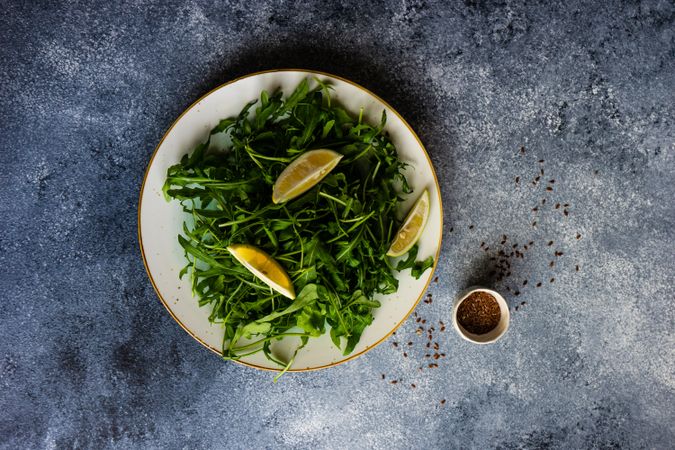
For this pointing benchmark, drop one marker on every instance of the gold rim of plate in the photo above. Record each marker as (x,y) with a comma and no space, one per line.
(312,72)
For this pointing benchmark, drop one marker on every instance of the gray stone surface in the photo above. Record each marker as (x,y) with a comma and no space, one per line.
(90,358)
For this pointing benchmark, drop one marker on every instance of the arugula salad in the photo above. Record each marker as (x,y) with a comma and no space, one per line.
(328,241)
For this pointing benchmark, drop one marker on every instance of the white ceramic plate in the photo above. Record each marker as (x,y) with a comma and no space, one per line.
(159,221)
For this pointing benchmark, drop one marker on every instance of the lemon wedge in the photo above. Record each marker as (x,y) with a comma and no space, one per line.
(303,173)
(264,267)
(412,227)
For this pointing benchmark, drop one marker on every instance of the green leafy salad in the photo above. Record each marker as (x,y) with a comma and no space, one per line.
(332,240)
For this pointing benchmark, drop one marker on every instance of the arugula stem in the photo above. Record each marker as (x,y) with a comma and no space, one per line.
(328,196)
(267,158)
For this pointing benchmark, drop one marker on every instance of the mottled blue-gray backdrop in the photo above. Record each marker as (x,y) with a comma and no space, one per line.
(90,358)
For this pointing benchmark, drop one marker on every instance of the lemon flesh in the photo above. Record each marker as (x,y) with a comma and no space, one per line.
(263,266)
(304,173)
(412,227)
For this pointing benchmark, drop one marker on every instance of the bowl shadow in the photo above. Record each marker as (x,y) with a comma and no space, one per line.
(406,96)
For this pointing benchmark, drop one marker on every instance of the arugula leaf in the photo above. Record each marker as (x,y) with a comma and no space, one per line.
(417,267)
(312,319)
(409,262)
(306,297)
(421,266)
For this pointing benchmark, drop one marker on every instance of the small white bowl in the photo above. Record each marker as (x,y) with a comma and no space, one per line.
(492,335)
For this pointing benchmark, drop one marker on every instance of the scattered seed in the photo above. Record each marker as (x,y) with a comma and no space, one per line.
(517,180)
(551,264)
(578,236)
(541,171)
(395,344)
(517,293)
(577,268)
(541,160)
(534,224)
(522,150)
(549,188)
(551,181)
(470,227)
(383,376)
(405,355)
(537,178)
(566,213)
(552,280)
(394,381)
(482,244)
(557,205)
(536,208)
(443,402)
(451,229)
(436,280)
(436,356)
(413,384)
(566,205)
(531,243)
(525,283)
(539,284)
(543,201)
(596,172)
(410,343)
(550,243)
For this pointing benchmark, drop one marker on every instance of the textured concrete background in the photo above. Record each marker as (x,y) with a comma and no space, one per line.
(90,358)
